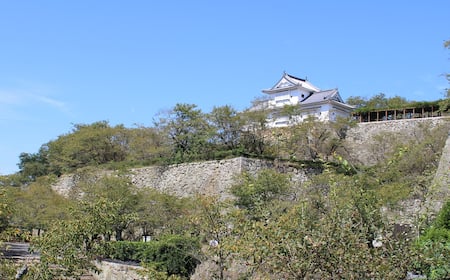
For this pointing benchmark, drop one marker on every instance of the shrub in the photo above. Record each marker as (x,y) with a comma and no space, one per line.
(172,254)
(434,247)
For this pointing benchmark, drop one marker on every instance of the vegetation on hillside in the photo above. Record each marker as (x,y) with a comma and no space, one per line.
(330,227)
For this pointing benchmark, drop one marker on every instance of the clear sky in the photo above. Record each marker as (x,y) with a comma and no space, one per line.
(80,61)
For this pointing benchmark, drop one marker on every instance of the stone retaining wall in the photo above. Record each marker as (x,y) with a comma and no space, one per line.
(187,179)
(367,141)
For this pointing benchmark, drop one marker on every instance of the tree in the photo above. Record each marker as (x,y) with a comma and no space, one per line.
(160,213)
(255,132)
(444,105)
(357,101)
(187,130)
(146,144)
(327,236)
(69,247)
(4,211)
(37,206)
(227,124)
(117,191)
(315,140)
(255,193)
(94,144)
(215,224)
(34,165)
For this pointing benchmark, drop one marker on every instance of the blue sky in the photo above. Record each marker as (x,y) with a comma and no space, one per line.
(71,62)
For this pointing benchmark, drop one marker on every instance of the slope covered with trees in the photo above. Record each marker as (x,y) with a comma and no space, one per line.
(330,227)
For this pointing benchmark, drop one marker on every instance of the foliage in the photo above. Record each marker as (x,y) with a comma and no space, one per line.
(8,268)
(5,210)
(93,144)
(227,123)
(146,145)
(313,139)
(116,190)
(444,104)
(406,166)
(37,206)
(215,225)
(254,193)
(326,237)
(160,213)
(187,131)
(172,254)
(35,165)
(434,247)
(255,133)
(69,247)
(381,102)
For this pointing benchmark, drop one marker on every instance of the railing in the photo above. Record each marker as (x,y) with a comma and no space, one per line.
(396,114)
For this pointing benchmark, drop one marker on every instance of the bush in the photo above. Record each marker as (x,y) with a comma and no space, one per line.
(172,254)
(434,247)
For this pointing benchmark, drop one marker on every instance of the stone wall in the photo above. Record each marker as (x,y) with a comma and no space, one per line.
(187,179)
(117,271)
(367,141)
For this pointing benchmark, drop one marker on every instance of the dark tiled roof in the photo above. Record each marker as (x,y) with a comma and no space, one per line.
(320,96)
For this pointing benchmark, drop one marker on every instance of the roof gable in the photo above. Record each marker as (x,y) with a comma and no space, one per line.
(288,81)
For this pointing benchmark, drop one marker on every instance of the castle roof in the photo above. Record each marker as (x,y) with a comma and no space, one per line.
(288,82)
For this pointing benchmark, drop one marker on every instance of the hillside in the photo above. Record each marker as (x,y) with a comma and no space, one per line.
(382,181)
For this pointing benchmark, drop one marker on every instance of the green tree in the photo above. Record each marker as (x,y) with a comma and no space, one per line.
(146,144)
(444,104)
(215,224)
(187,130)
(4,211)
(255,136)
(35,165)
(93,144)
(357,101)
(117,191)
(324,236)
(227,123)
(37,205)
(159,213)
(256,192)
(69,247)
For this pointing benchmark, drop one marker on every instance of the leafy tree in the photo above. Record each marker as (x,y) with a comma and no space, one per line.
(255,133)
(188,131)
(4,210)
(325,237)
(357,101)
(93,144)
(37,206)
(255,193)
(444,105)
(146,144)
(314,140)
(227,123)
(69,247)
(215,224)
(34,165)
(160,213)
(117,191)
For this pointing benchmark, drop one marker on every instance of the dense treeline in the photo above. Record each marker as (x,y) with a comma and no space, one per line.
(382,102)
(183,134)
